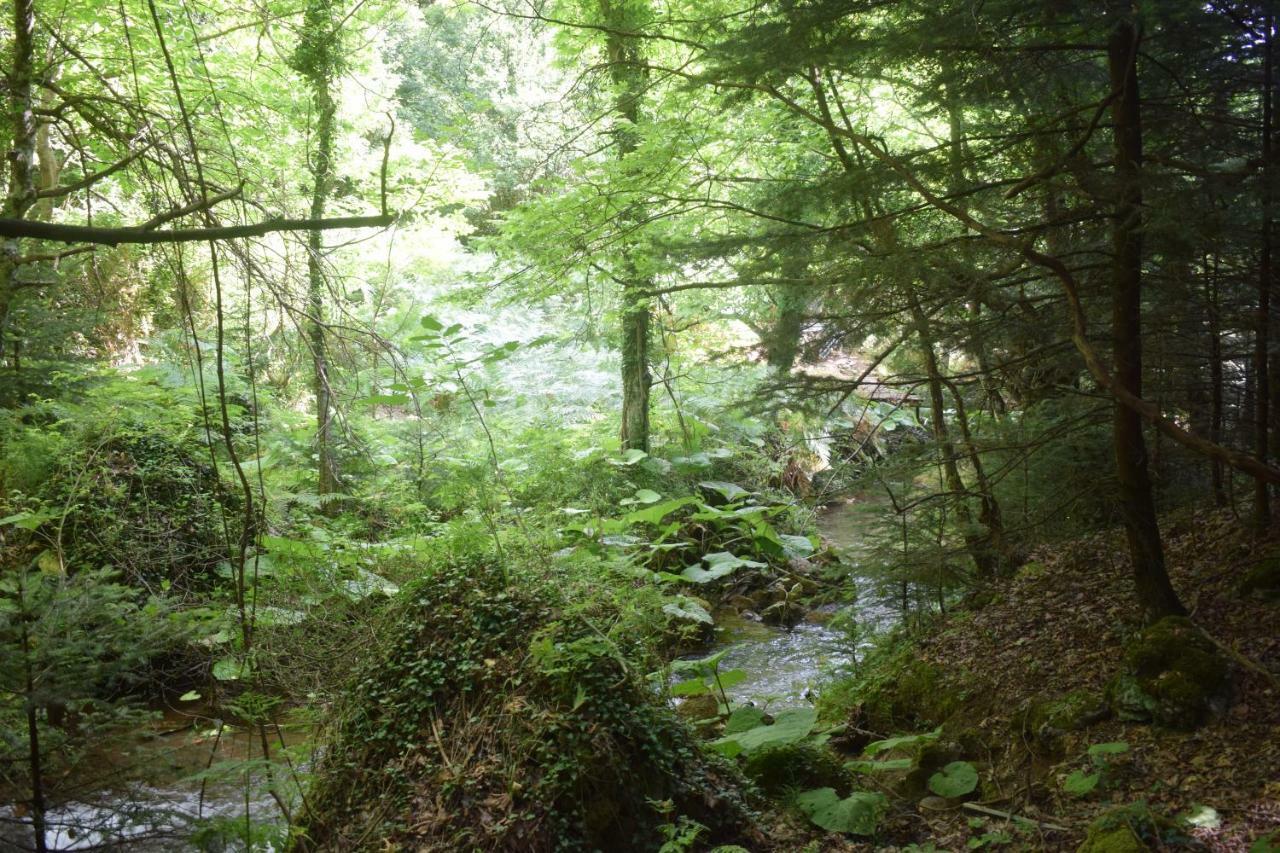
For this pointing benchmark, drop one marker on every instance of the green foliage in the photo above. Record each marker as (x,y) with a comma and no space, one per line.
(954,780)
(857,814)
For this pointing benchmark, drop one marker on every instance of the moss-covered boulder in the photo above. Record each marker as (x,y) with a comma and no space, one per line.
(498,719)
(1132,828)
(1263,579)
(1173,676)
(1045,719)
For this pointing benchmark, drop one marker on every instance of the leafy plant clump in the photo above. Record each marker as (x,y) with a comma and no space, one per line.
(501,720)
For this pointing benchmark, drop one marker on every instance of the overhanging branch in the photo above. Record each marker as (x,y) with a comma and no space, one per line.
(19,228)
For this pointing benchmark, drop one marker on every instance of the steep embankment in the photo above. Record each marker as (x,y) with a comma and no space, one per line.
(1025,682)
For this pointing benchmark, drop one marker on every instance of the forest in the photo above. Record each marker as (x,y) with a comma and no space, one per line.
(639,425)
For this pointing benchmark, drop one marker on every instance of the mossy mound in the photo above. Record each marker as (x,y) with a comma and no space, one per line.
(796,766)
(1046,719)
(1173,676)
(1263,579)
(499,720)
(909,695)
(1132,828)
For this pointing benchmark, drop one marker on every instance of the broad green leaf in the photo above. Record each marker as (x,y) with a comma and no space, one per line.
(189,696)
(744,719)
(857,814)
(230,669)
(879,746)
(655,513)
(730,491)
(1080,783)
(789,726)
(883,766)
(687,609)
(955,780)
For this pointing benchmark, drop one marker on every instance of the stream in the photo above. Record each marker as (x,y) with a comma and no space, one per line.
(784,667)
(163,812)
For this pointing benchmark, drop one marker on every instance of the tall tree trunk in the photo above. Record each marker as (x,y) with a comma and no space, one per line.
(628,79)
(1155,593)
(1215,383)
(316,60)
(21,191)
(1262,319)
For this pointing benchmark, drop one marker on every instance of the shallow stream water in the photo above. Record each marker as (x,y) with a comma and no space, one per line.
(784,667)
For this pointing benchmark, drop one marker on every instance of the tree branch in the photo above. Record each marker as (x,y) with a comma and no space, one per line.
(18,229)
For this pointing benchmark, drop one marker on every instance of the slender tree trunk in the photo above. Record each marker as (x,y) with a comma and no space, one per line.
(21,191)
(628,79)
(1155,593)
(1262,319)
(1215,384)
(317,64)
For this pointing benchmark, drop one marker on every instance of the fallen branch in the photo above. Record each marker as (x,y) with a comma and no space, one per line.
(989,812)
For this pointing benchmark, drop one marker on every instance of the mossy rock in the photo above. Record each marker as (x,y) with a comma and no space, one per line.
(1045,720)
(498,720)
(1132,828)
(1115,839)
(1173,676)
(1263,580)
(796,766)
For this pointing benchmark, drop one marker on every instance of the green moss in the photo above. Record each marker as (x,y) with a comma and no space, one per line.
(1132,828)
(1116,839)
(1263,579)
(1173,676)
(796,766)
(1045,719)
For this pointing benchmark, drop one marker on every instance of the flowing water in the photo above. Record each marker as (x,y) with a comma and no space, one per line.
(179,775)
(783,667)
(180,794)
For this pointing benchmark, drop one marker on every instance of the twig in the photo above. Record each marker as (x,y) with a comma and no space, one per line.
(974,807)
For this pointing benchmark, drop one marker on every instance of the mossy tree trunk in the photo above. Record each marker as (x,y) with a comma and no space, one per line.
(317,60)
(20,195)
(627,74)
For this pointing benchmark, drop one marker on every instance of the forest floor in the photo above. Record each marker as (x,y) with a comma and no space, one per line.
(1060,628)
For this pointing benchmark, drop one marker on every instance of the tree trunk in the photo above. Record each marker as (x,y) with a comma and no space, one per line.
(628,80)
(792,298)
(1262,319)
(21,192)
(1215,384)
(1155,593)
(317,64)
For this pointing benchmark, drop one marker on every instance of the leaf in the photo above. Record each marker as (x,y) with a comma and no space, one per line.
(730,491)
(48,563)
(630,457)
(655,513)
(1099,751)
(797,546)
(721,563)
(431,323)
(955,780)
(189,696)
(883,766)
(744,719)
(879,746)
(790,726)
(644,496)
(857,814)
(1079,783)
(230,669)
(688,609)
(691,687)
